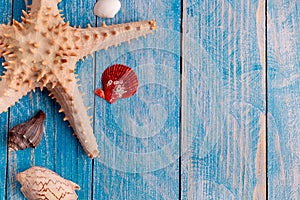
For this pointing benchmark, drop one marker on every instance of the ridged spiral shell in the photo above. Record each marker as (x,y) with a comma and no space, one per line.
(28,134)
(42,183)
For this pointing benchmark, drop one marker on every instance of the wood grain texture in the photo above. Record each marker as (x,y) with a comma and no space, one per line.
(71,160)
(22,111)
(5,9)
(212,77)
(224,125)
(139,137)
(283,84)
(59,149)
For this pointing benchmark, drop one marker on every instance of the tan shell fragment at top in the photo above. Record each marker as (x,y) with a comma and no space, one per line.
(42,51)
(42,183)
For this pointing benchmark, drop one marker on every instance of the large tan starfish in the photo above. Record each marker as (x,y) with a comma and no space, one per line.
(42,51)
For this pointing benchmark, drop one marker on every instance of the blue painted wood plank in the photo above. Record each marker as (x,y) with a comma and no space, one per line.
(223,106)
(71,161)
(59,150)
(21,112)
(223,109)
(3,151)
(283,86)
(6,10)
(139,137)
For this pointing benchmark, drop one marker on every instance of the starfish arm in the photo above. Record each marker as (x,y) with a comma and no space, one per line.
(44,5)
(90,39)
(43,12)
(70,100)
(10,95)
(5,32)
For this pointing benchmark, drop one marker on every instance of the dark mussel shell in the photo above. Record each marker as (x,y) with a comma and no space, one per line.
(119,81)
(28,134)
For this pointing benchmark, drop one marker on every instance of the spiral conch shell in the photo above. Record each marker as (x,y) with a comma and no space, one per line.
(28,134)
(42,183)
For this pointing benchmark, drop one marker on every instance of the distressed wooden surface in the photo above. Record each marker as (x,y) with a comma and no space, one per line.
(133,134)
(283,83)
(197,127)
(224,100)
(59,149)
(6,8)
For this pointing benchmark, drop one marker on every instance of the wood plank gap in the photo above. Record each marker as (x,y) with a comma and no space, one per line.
(8,125)
(54,138)
(266,96)
(182,28)
(94,113)
(7,154)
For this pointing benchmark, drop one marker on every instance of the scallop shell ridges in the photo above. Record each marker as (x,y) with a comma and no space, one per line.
(119,81)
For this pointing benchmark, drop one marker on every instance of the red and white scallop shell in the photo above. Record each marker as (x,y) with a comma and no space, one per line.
(119,81)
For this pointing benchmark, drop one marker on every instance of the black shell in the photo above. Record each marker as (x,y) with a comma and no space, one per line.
(28,134)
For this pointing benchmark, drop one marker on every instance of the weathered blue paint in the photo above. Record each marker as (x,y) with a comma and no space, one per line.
(139,137)
(5,9)
(221,100)
(59,149)
(283,84)
(19,113)
(72,161)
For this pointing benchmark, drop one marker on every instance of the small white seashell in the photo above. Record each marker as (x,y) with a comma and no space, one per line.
(107,8)
(42,183)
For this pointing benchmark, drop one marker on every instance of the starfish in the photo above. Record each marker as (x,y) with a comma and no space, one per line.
(42,51)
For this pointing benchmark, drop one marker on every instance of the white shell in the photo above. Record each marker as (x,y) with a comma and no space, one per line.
(107,8)
(42,183)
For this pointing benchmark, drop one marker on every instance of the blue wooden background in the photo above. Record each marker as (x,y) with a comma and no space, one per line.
(215,117)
